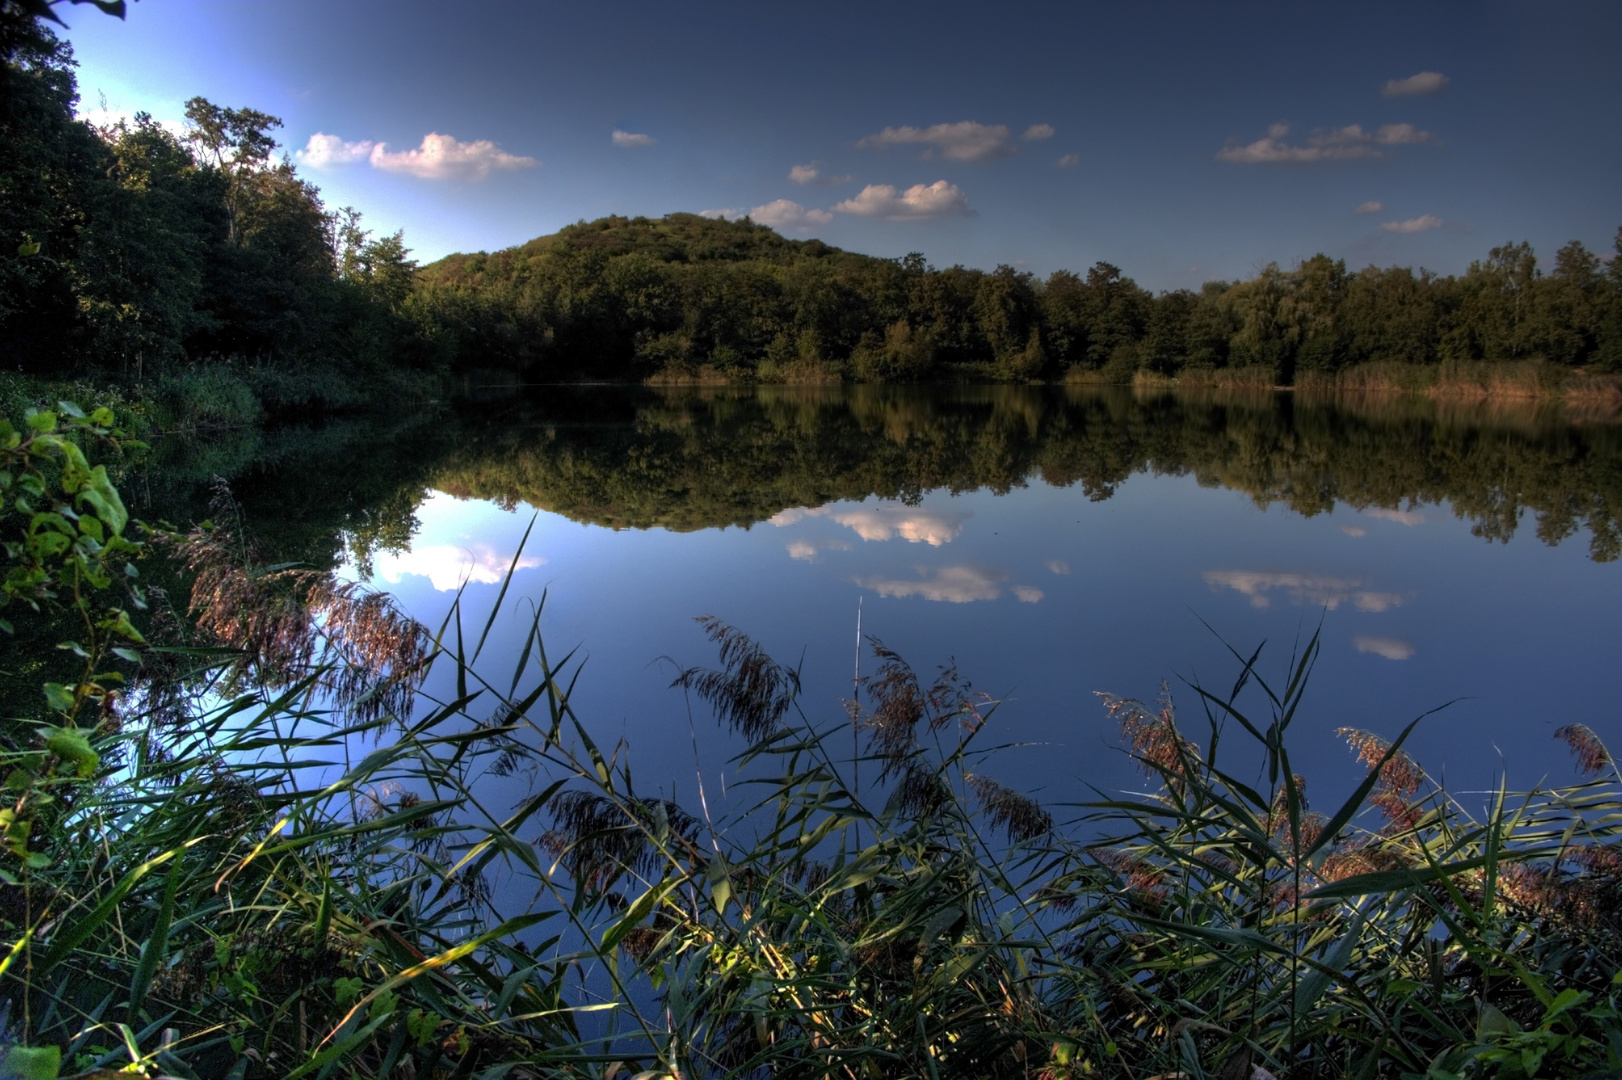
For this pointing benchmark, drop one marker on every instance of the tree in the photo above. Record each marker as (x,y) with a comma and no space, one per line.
(237,142)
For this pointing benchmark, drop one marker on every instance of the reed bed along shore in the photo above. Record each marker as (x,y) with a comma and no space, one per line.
(274,828)
(1593,396)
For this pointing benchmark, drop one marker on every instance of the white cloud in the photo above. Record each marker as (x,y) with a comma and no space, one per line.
(1426,82)
(632,138)
(1027,594)
(1069,161)
(441,157)
(1332,144)
(1038,131)
(813,174)
(964,141)
(1401,517)
(1058,566)
(885,522)
(811,550)
(788,214)
(1354,530)
(1370,207)
(1317,590)
(325,151)
(909,523)
(951,584)
(1413,225)
(918,202)
(725,213)
(447,566)
(1390,648)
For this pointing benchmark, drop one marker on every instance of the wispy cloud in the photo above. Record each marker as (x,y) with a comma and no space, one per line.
(1069,161)
(917,203)
(1423,223)
(1370,207)
(448,566)
(951,584)
(724,213)
(442,157)
(630,139)
(1426,82)
(1315,589)
(1058,566)
(788,214)
(812,174)
(1347,143)
(964,141)
(1354,530)
(1038,131)
(1028,595)
(1390,648)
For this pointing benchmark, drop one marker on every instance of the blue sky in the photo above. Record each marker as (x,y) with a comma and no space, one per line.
(1182,142)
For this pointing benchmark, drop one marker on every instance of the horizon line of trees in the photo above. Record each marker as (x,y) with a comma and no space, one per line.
(634,297)
(141,251)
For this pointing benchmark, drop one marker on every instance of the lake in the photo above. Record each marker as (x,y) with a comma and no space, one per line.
(1051,541)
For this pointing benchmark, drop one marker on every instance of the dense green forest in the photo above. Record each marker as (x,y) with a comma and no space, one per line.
(685,295)
(203,269)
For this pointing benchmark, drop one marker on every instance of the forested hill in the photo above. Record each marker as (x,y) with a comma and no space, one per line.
(687,296)
(202,270)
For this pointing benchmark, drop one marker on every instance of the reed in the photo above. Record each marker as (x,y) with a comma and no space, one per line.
(269,849)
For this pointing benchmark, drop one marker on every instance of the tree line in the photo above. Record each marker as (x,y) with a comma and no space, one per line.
(634,297)
(142,251)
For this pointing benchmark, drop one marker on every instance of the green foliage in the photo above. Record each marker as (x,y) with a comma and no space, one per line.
(272,855)
(144,256)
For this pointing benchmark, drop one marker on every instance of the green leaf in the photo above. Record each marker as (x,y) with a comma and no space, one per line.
(1316,981)
(157,944)
(33,1062)
(720,883)
(71,745)
(103,497)
(347,991)
(68,408)
(59,696)
(1494,1022)
(1385,881)
(42,421)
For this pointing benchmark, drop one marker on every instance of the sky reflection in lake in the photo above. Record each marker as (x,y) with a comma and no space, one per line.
(1043,595)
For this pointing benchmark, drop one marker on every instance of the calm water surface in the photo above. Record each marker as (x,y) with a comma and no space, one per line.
(1054,543)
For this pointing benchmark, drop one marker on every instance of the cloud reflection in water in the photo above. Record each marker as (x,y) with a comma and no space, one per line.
(1390,648)
(447,566)
(1316,589)
(886,521)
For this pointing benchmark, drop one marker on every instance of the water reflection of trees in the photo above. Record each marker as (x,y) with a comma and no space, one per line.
(691,458)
